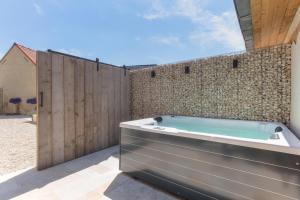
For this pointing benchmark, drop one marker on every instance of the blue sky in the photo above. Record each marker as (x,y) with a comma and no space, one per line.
(123,31)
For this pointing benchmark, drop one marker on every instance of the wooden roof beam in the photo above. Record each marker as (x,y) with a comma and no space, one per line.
(294,28)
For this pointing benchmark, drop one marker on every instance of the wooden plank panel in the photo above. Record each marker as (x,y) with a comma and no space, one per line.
(111,109)
(278,12)
(88,119)
(117,104)
(79,107)
(87,107)
(69,108)
(1,100)
(97,109)
(44,123)
(122,96)
(291,8)
(104,105)
(266,18)
(294,28)
(99,122)
(271,20)
(57,109)
(125,96)
(256,22)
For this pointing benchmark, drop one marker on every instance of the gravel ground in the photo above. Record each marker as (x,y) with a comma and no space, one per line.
(17,143)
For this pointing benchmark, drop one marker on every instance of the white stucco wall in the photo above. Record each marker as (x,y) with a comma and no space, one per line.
(18,79)
(295,93)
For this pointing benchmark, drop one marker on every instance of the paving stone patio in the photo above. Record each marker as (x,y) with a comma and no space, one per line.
(95,176)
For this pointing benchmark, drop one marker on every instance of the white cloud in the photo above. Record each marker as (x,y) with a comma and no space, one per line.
(223,29)
(210,28)
(157,11)
(182,8)
(38,9)
(167,40)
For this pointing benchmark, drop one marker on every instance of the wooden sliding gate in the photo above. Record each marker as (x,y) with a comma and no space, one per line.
(1,101)
(80,105)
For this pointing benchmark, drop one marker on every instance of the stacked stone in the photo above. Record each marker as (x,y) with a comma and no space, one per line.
(258,89)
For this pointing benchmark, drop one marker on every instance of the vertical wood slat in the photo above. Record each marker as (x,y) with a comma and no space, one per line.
(79,108)
(44,123)
(104,106)
(117,104)
(111,114)
(69,84)
(88,116)
(257,22)
(82,107)
(1,101)
(96,109)
(99,124)
(125,96)
(58,108)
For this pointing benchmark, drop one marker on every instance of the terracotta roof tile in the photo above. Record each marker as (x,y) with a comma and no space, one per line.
(30,53)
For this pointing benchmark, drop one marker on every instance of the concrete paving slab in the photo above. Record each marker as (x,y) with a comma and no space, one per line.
(91,177)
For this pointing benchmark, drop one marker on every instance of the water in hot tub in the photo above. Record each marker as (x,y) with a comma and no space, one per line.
(234,128)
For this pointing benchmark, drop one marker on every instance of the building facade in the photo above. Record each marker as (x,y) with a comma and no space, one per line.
(18,80)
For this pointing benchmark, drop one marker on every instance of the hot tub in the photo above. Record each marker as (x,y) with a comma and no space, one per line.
(200,158)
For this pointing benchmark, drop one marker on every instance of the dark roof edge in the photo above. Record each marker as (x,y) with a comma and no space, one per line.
(78,57)
(134,67)
(243,12)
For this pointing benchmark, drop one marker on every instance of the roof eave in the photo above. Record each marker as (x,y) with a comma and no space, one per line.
(15,44)
(243,11)
(33,62)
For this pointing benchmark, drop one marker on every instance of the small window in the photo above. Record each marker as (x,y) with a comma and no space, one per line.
(153,74)
(187,69)
(235,63)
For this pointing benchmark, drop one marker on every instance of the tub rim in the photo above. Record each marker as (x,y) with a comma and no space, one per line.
(288,143)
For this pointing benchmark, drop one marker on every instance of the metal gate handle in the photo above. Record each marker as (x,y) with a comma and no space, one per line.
(41,99)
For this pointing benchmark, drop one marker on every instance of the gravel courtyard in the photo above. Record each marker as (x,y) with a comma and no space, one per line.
(17,143)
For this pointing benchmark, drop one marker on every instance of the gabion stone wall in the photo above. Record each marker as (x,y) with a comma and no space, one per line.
(258,89)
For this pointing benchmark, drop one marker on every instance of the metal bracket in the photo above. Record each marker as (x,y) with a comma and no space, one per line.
(97,61)
(124,67)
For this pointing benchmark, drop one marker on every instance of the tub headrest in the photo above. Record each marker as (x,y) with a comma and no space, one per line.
(158,119)
(278,129)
